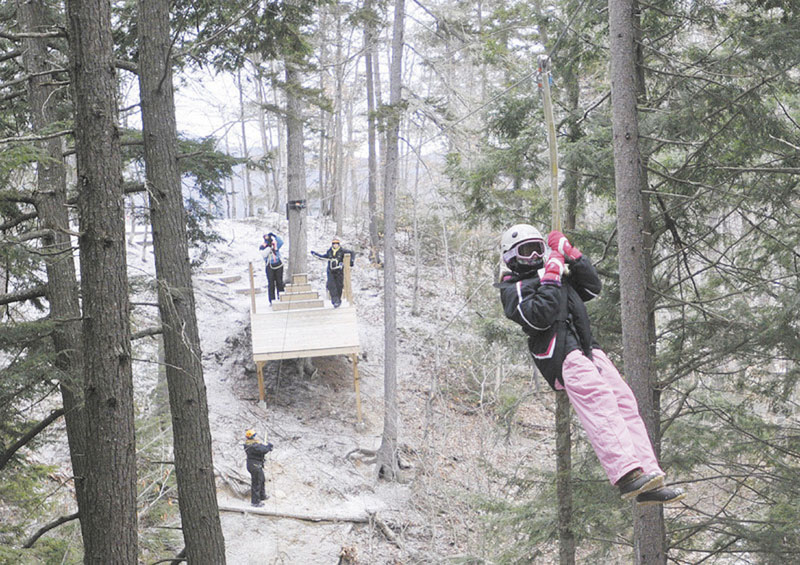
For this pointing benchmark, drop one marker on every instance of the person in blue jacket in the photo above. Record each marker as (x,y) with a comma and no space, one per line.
(551,311)
(256,450)
(271,252)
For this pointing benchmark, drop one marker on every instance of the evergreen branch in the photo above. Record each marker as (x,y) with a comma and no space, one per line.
(6,456)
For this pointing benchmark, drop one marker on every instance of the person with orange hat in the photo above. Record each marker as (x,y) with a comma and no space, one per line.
(335,257)
(256,450)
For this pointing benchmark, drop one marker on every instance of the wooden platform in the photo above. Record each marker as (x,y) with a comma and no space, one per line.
(301,324)
(312,332)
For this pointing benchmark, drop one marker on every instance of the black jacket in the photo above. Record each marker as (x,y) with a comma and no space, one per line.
(336,258)
(553,316)
(256,450)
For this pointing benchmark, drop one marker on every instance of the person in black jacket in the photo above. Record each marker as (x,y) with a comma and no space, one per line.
(270,250)
(256,450)
(335,257)
(551,311)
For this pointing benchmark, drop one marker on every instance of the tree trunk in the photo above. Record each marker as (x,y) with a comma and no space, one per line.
(372,158)
(51,205)
(258,76)
(295,171)
(338,128)
(649,538)
(279,150)
(248,188)
(387,452)
(194,465)
(110,527)
(324,199)
(350,166)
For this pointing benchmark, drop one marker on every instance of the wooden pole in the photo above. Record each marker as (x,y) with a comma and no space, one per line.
(348,288)
(354,356)
(252,290)
(262,396)
(547,102)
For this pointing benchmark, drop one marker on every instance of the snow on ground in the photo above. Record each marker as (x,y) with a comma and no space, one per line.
(311,419)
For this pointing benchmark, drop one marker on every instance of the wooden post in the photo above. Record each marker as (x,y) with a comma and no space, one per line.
(348,288)
(355,382)
(262,396)
(547,105)
(252,290)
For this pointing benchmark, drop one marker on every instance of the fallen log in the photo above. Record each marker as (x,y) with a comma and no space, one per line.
(355,519)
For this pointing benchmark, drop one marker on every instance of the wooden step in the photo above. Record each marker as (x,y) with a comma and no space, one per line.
(298,288)
(247,291)
(294,296)
(297,304)
(230,278)
(212,270)
(300,278)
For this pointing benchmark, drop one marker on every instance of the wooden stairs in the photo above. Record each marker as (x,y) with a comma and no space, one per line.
(298,295)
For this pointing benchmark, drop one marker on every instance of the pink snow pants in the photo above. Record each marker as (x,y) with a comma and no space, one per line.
(607,409)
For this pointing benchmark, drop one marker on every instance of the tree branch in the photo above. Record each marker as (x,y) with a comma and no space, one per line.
(23,295)
(28,138)
(156,330)
(17,221)
(10,55)
(356,519)
(6,456)
(44,529)
(32,35)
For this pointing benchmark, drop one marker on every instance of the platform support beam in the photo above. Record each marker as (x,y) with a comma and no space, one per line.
(262,396)
(354,357)
(348,287)
(252,290)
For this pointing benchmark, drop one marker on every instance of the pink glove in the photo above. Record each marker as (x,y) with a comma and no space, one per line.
(559,242)
(553,268)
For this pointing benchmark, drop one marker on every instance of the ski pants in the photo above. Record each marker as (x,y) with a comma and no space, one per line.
(335,285)
(607,410)
(274,281)
(257,482)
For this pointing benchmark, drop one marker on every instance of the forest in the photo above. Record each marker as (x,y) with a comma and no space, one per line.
(143,142)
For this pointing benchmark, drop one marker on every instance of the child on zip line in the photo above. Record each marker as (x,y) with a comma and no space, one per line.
(551,311)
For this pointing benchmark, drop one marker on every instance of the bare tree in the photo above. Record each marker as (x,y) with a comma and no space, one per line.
(372,155)
(248,188)
(110,526)
(337,191)
(387,459)
(194,464)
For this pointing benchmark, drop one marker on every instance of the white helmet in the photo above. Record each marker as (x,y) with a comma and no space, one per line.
(523,247)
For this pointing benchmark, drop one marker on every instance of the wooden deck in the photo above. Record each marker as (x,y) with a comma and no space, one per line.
(312,332)
(303,325)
